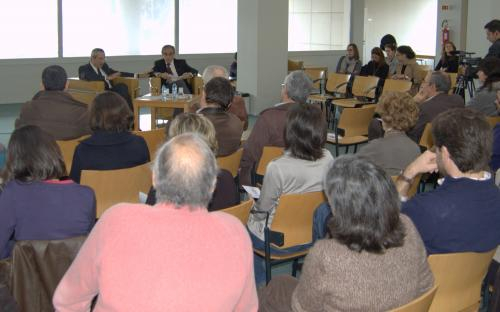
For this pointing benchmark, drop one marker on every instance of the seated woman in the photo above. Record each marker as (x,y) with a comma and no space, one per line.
(111,145)
(377,66)
(407,64)
(373,259)
(395,150)
(448,62)
(37,201)
(299,170)
(226,193)
(349,63)
(489,75)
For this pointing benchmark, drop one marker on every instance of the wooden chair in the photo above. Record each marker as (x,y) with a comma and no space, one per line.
(426,139)
(291,226)
(354,122)
(116,186)
(131,83)
(196,84)
(413,187)
(84,91)
(231,162)
(241,211)
(421,304)
(268,153)
(316,74)
(394,85)
(459,276)
(295,65)
(153,138)
(68,149)
(363,87)
(453,80)
(83,86)
(336,87)
(493,120)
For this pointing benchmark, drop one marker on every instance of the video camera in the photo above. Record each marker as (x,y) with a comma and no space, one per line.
(470,63)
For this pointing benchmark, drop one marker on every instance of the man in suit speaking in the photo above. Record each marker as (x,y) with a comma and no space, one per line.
(171,70)
(97,69)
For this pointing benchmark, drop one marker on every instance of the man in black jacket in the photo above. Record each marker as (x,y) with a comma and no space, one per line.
(493,36)
(97,69)
(173,70)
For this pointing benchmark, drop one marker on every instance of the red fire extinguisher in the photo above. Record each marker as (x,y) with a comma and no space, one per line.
(445,32)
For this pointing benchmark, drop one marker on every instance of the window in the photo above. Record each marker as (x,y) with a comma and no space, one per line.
(120,27)
(318,24)
(208,26)
(29,29)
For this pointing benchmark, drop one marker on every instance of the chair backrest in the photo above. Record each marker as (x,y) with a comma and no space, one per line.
(421,304)
(116,186)
(74,83)
(68,149)
(355,120)
(493,120)
(295,65)
(294,217)
(337,82)
(421,72)
(413,187)
(153,138)
(395,85)
(231,162)
(196,85)
(316,73)
(241,211)
(86,97)
(426,139)
(268,153)
(365,86)
(453,80)
(459,276)
(37,268)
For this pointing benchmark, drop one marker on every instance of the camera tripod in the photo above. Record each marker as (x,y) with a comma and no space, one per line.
(463,83)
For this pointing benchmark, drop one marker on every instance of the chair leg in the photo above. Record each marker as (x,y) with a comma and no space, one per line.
(295,267)
(355,148)
(336,150)
(267,258)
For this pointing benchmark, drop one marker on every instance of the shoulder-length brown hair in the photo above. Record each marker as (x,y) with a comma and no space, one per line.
(110,112)
(355,48)
(33,155)
(378,51)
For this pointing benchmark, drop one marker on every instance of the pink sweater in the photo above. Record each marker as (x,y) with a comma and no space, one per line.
(142,258)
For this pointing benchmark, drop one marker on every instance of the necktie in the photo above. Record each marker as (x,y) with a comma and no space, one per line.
(169,70)
(99,74)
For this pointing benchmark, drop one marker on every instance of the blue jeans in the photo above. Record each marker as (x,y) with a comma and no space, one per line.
(321,216)
(259,262)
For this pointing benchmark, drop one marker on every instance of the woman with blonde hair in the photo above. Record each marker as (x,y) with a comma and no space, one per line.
(226,193)
(395,150)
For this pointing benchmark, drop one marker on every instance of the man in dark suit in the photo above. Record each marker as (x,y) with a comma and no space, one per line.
(434,99)
(173,70)
(97,69)
(216,97)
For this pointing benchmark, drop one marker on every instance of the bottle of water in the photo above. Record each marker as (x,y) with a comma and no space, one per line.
(174,90)
(164,93)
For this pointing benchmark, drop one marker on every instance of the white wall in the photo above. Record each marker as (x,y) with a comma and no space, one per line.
(412,23)
(480,12)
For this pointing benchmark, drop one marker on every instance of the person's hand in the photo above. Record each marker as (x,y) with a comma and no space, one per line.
(187,75)
(114,75)
(166,76)
(145,73)
(421,96)
(422,164)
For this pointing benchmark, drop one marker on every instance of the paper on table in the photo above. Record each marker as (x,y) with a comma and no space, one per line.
(254,192)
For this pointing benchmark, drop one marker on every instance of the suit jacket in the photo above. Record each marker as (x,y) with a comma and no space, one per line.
(430,109)
(228,129)
(57,113)
(410,70)
(86,72)
(181,67)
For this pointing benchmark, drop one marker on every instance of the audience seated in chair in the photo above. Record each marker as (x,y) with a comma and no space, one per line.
(489,75)
(463,214)
(270,125)
(216,97)
(225,194)
(349,63)
(54,110)
(237,105)
(448,61)
(174,256)
(111,145)
(299,170)
(37,201)
(373,258)
(433,99)
(377,66)
(407,65)
(391,59)
(395,150)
